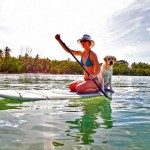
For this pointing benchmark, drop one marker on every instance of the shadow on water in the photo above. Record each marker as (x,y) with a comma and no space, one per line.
(96,114)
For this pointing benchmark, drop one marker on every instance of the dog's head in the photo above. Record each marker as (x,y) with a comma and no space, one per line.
(110,60)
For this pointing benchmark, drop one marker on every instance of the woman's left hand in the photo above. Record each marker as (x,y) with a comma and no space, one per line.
(91,77)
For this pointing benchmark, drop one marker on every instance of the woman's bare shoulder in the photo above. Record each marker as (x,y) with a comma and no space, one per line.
(93,54)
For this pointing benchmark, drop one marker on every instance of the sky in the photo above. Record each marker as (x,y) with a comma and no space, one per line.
(120,27)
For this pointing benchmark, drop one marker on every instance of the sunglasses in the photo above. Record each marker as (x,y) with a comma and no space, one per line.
(84,41)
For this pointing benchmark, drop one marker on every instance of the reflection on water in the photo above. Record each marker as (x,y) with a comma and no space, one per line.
(80,124)
(6,104)
(96,114)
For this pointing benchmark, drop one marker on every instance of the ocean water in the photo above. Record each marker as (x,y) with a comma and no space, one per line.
(122,123)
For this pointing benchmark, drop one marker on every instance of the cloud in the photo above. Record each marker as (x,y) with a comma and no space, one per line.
(118,28)
(129,30)
(131,24)
(5,29)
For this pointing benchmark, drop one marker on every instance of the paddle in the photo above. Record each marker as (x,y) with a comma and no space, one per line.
(64,45)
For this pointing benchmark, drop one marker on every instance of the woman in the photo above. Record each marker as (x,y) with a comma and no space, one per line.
(89,61)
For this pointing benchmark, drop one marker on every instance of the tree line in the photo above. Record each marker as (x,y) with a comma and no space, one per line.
(28,64)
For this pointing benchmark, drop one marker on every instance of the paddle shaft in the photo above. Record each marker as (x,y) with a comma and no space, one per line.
(64,45)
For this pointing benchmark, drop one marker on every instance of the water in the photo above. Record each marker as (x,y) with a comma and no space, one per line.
(82,124)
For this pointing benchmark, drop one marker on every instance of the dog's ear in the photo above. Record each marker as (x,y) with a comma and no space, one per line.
(115,59)
(105,59)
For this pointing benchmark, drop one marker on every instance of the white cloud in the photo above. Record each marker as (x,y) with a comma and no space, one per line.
(30,23)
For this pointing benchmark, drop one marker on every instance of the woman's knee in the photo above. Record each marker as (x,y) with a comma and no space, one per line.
(72,87)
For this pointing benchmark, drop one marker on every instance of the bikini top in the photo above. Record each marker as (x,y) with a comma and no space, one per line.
(88,62)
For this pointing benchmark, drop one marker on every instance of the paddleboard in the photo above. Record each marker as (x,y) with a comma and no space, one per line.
(44,94)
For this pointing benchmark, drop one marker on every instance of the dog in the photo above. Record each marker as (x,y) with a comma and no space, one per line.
(105,75)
